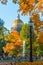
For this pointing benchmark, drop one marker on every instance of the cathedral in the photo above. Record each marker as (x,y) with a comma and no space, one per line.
(17,24)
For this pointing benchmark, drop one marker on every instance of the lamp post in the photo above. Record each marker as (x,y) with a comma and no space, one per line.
(31,40)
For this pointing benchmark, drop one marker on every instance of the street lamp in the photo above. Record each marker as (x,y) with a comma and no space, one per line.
(31,39)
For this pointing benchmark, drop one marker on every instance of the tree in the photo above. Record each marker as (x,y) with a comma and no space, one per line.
(25,35)
(13,45)
(3,32)
(13,36)
(25,31)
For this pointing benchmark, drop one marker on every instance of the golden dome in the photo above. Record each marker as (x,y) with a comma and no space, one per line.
(17,24)
(18,21)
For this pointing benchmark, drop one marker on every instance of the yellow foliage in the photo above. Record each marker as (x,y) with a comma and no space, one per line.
(16,35)
(26,6)
(18,43)
(27,1)
(39,4)
(35,18)
(9,47)
(32,1)
(40,38)
(14,38)
(10,53)
(1,37)
(4,48)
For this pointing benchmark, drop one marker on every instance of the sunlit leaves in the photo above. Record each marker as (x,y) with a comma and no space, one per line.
(13,43)
(16,35)
(25,8)
(29,5)
(18,43)
(13,37)
(35,17)
(37,23)
(12,48)
(40,39)
(8,47)
(40,4)
(1,37)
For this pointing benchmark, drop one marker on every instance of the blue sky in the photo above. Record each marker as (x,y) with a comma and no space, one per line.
(9,13)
